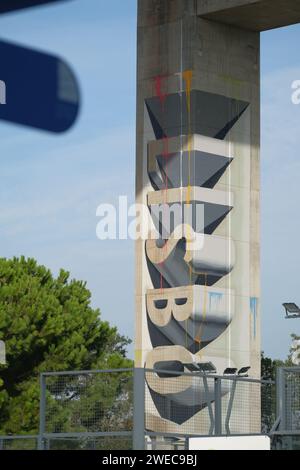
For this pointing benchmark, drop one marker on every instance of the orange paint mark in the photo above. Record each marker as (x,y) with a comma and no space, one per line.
(188,76)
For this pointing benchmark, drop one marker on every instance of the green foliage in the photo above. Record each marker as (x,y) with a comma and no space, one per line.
(268,392)
(269,366)
(47,324)
(89,402)
(295,351)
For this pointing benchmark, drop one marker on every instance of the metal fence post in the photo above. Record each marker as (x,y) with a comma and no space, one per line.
(42,412)
(280,398)
(139,409)
(230,406)
(218,406)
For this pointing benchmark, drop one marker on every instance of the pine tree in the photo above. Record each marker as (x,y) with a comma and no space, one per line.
(47,324)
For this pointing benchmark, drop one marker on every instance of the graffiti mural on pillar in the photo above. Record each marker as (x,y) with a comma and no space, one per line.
(186,309)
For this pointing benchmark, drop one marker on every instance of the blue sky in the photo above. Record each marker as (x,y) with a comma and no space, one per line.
(51,186)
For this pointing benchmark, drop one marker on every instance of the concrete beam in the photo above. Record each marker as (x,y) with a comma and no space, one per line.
(253,15)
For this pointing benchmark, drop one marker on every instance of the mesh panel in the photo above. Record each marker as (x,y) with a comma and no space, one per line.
(241,407)
(286,442)
(79,407)
(83,443)
(89,402)
(183,403)
(19,444)
(268,407)
(175,443)
(292,419)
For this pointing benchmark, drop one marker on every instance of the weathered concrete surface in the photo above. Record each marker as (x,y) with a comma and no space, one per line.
(157,12)
(209,6)
(198,101)
(254,15)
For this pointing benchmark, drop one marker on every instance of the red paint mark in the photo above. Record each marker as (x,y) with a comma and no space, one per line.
(166,147)
(159,89)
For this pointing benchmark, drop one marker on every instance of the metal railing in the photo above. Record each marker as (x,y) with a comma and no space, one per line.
(87,408)
(105,409)
(205,405)
(19,443)
(285,433)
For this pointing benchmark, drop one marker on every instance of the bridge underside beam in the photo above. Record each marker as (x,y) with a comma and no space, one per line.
(254,15)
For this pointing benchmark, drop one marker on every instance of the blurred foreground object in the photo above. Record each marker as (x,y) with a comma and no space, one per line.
(11,5)
(41,91)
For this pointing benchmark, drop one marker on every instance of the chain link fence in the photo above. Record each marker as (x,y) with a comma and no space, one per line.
(76,442)
(87,402)
(286,430)
(205,405)
(94,410)
(292,395)
(87,410)
(286,441)
(19,443)
(100,443)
